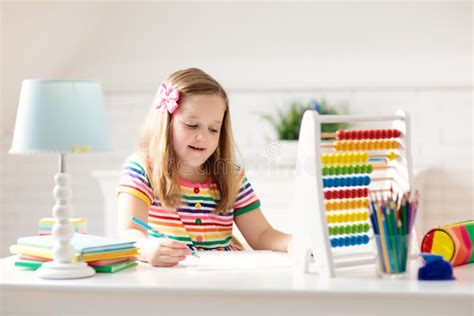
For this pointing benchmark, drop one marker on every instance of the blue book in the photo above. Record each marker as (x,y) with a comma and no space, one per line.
(82,243)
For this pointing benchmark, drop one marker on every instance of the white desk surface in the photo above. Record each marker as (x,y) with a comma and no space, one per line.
(250,284)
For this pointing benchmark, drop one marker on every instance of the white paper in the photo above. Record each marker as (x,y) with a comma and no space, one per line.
(237,260)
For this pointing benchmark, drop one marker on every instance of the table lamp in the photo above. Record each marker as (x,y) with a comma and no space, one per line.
(61,116)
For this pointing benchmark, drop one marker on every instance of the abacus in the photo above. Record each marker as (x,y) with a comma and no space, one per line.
(333,182)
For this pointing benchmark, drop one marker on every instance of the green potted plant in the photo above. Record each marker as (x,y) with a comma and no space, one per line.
(286,124)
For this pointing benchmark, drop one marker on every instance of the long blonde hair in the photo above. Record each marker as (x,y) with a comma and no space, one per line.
(160,162)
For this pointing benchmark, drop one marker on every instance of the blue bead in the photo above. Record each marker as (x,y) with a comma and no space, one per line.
(353,240)
(334,242)
(365,239)
(343,241)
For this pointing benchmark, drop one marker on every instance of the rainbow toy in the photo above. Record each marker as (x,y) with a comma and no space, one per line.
(336,173)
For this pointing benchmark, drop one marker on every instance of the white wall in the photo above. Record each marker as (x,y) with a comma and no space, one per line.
(374,57)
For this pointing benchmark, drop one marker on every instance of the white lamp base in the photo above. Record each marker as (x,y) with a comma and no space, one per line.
(56,270)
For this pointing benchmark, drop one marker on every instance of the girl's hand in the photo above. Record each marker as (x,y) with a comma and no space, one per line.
(164,252)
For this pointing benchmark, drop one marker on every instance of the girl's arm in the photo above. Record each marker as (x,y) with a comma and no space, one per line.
(130,206)
(158,252)
(259,234)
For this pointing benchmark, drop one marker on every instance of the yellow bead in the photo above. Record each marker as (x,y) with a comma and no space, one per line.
(344,158)
(365,157)
(352,217)
(324,158)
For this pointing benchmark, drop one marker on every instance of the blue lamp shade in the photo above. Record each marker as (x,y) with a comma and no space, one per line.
(60,116)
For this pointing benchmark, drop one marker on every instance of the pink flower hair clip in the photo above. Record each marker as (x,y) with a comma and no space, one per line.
(168,96)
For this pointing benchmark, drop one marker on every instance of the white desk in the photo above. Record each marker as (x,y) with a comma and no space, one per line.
(274,290)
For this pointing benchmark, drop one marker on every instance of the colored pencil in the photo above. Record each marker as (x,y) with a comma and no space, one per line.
(392,218)
(156,233)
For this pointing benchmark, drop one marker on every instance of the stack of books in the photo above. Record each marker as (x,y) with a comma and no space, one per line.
(101,253)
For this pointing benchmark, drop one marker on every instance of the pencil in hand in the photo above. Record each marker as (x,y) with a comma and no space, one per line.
(156,233)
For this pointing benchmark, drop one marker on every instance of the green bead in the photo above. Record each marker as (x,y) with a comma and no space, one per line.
(369,169)
(347,230)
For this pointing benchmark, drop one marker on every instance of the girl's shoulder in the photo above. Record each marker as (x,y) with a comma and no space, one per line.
(136,160)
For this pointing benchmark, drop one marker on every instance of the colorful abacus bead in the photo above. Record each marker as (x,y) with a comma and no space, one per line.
(344,158)
(367,134)
(347,217)
(349,204)
(344,170)
(372,144)
(349,229)
(346,193)
(346,181)
(349,241)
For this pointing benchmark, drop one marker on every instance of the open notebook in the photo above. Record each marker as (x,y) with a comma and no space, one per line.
(237,260)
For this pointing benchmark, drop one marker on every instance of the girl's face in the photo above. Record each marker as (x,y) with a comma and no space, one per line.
(196,127)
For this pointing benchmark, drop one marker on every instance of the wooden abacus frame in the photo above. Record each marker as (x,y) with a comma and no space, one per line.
(311,234)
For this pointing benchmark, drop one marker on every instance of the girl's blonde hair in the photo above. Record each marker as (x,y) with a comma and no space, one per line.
(160,162)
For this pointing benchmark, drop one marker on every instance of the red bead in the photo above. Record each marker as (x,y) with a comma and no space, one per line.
(383,133)
(365,134)
(372,134)
(396,133)
(390,133)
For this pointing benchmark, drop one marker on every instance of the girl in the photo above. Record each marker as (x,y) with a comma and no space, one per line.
(184,180)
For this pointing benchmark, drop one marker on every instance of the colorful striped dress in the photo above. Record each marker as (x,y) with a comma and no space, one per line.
(194,222)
